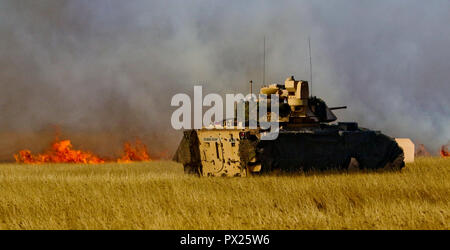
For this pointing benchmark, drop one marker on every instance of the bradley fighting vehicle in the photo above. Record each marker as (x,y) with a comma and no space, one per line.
(307,140)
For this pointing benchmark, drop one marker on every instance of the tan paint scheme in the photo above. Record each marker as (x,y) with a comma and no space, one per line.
(408,148)
(219,152)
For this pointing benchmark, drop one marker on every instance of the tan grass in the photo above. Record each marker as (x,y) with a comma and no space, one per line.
(158,195)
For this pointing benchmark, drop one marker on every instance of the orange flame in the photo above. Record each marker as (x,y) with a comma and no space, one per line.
(63,152)
(60,152)
(136,153)
(444,151)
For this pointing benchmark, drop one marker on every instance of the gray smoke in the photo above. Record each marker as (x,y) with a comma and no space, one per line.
(105,71)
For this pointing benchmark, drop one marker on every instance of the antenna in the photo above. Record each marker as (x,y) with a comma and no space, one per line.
(264,63)
(310,64)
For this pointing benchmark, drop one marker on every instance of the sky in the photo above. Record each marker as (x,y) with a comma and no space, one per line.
(103,72)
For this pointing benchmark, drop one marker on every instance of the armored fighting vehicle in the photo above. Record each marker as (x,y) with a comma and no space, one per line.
(307,140)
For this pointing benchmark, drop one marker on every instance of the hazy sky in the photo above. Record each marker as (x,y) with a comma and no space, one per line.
(105,68)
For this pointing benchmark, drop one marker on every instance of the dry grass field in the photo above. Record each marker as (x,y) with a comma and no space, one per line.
(158,195)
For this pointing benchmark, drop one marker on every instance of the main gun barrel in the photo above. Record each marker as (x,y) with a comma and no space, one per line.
(340,107)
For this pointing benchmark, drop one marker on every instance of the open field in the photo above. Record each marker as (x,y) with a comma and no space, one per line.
(158,195)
